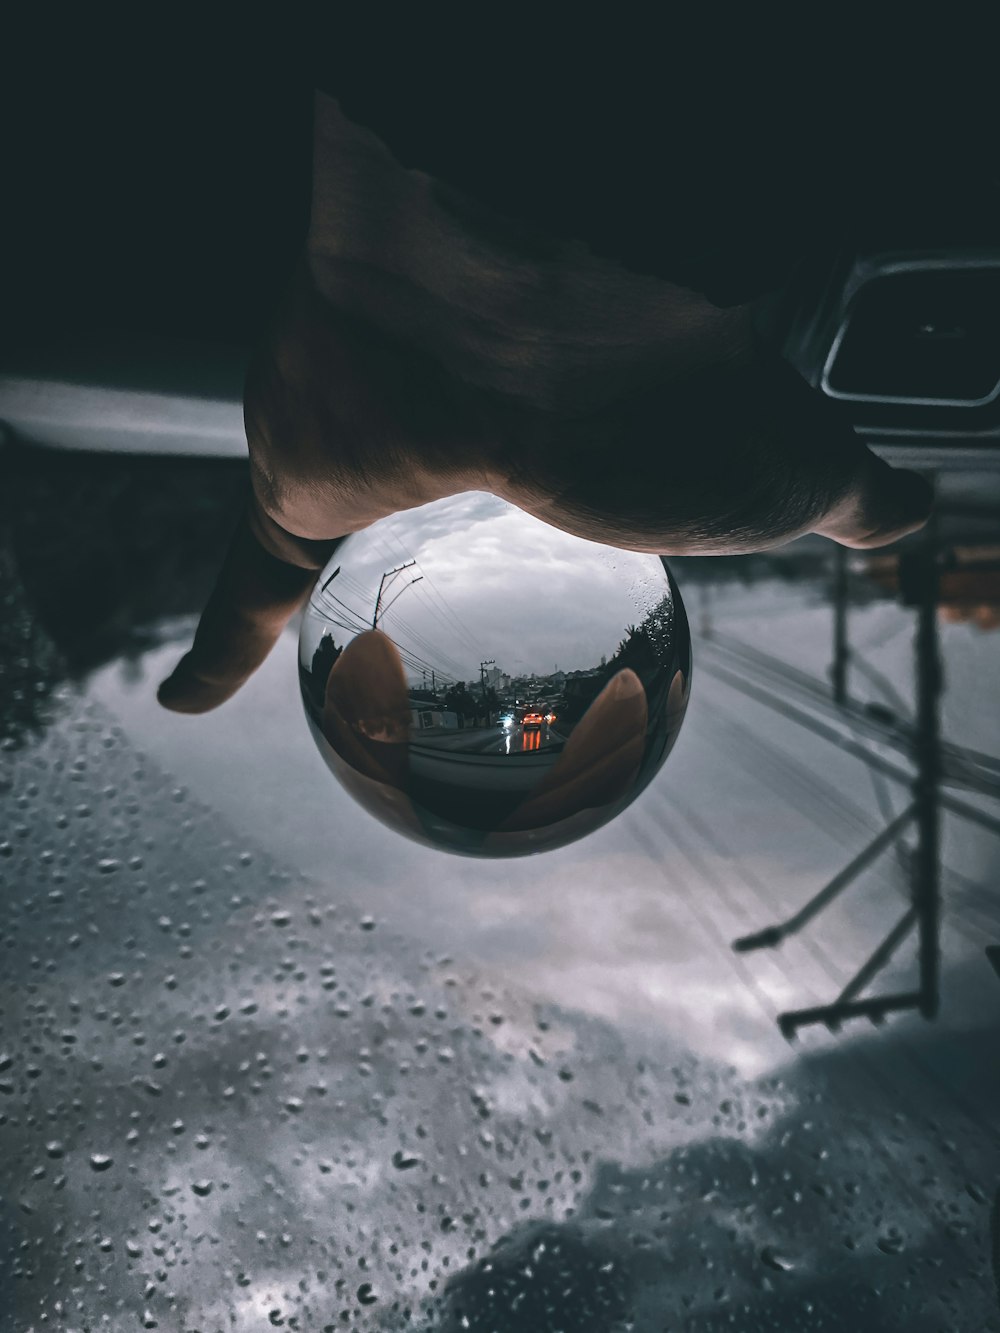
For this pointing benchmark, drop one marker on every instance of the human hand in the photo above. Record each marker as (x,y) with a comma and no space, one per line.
(345,426)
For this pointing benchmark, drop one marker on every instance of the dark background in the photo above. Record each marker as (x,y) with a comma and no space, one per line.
(156,173)
(156,179)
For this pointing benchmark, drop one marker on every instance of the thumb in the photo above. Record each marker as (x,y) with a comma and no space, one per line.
(266,576)
(880,505)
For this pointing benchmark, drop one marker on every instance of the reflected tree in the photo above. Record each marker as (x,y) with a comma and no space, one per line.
(460,700)
(323,660)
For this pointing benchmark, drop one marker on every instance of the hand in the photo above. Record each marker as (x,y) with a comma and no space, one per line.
(345,426)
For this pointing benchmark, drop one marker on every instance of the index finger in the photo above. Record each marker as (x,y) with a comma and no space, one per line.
(266,576)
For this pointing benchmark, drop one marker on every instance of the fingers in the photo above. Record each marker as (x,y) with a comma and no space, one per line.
(366,713)
(880,505)
(864,503)
(266,576)
(367,690)
(738,457)
(600,761)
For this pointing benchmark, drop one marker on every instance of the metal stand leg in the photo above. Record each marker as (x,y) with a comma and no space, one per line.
(841,651)
(919,581)
(772,935)
(926,787)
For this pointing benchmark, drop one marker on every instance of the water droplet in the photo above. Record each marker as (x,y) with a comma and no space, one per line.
(100,1161)
(202,1188)
(366,1294)
(773,1258)
(892,1243)
(404,1160)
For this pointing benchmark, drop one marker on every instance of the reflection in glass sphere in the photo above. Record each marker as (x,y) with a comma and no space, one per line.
(487,684)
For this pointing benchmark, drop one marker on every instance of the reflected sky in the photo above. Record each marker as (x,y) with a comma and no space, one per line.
(488,582)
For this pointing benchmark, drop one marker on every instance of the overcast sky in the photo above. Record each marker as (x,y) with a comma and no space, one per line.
(495,583)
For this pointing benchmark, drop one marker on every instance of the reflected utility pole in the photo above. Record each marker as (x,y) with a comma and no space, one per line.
(384,582)
(482,674)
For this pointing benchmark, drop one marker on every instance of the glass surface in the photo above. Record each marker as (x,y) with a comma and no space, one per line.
(266,1064)
(488,684)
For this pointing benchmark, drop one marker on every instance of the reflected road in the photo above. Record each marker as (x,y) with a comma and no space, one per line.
(496,739)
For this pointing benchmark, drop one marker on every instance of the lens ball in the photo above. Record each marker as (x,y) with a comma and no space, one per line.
(490,685)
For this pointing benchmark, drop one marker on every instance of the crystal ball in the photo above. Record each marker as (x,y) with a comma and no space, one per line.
(487,684)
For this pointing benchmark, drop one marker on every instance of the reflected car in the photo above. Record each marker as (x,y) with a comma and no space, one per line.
(532,720)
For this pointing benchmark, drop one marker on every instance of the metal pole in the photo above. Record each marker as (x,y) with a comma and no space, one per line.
(772,935)
(387,577)
(841,651)
(927,754)
(378,599)
(879,958)
(399,594)
(482,675)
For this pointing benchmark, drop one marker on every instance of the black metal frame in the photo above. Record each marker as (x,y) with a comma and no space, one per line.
(919,582)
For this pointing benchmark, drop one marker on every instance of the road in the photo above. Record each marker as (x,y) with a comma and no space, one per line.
(498,739)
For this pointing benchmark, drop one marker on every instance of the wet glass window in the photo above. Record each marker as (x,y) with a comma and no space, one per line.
(266,1062)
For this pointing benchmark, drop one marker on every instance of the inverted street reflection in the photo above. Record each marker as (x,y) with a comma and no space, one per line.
(525,690)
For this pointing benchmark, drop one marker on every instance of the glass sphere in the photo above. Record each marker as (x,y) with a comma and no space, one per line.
(487,684)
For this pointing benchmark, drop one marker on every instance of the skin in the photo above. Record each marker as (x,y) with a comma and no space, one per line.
(426,346)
